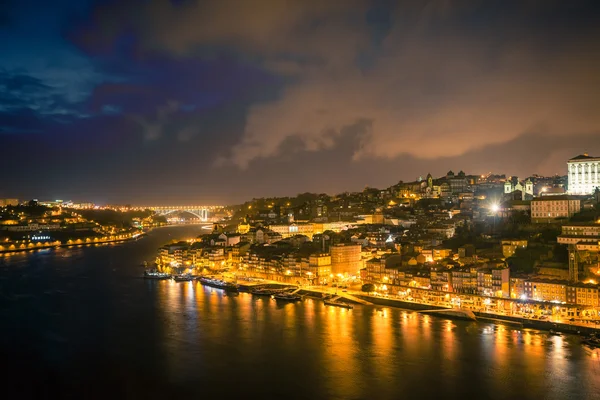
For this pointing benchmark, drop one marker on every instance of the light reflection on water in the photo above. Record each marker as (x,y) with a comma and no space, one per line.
(78,317)
(351,353)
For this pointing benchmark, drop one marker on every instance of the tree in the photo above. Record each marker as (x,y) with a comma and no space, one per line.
(368,287)
(561,253)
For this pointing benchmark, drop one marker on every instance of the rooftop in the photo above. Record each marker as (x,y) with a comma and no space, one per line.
(555,198)
(584,156)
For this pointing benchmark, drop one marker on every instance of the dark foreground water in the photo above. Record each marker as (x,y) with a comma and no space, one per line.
(81,323)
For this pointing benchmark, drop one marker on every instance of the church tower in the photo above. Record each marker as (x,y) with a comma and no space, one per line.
(529,187)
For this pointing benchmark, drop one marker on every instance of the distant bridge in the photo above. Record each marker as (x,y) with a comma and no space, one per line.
(202,212)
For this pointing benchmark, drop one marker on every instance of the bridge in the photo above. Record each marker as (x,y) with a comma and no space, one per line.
(202,212)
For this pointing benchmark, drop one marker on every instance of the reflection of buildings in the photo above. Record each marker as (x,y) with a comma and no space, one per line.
(584,174)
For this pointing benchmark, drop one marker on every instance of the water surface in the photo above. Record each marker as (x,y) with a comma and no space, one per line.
(81,323)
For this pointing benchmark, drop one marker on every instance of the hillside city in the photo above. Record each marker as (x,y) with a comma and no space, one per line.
(487,242)
(491,243)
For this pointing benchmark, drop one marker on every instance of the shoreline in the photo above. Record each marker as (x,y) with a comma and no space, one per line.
(85,242)
(429,309)
(63,245)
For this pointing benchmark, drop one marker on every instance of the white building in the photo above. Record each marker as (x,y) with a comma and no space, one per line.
(293,229)
(584,174)
(526,188)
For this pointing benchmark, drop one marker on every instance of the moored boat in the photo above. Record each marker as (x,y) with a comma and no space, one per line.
(591,340)
(263,292)
(218,284)
(287,297)
(183,278)
(337,304)
(156,275)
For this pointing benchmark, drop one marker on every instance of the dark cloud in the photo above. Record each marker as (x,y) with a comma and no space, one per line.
(224,100)
(26,101)
(448,77)
(6,7)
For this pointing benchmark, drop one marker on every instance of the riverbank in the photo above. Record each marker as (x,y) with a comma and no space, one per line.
(439,311)
(57,244)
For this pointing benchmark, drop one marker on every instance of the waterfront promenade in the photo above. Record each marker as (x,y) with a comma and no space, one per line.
(20,247)
(482,313)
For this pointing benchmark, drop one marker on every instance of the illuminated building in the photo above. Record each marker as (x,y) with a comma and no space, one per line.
(513,185)
(548,209)
(583,294)
(243,227)
(346,258)
(9,202)
(546,290)
(510,246)
(445,231)
(464,280)
(441,278)
(501,282)
(293,229)
(585,236)
(583,174)
(517,288)
(320,266)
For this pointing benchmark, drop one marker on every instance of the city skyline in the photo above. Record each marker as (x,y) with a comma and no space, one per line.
(292,193)
(312,199)
(149,102)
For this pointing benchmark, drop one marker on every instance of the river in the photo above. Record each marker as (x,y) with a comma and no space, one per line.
(82,323)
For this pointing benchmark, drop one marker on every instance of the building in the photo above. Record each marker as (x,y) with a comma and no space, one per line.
(464,279)
(525,189)
(583,174)
(580,234)
(583,294)
(551,208)
(510,246)
(441,278)
(9,202)
(293,229)
(445,231)
(517,287)
(484,282)
(501,282)
(319,266)
(346,258)
(493,282)
(546,290)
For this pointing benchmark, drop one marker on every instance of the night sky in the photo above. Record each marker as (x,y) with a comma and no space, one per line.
(165,102)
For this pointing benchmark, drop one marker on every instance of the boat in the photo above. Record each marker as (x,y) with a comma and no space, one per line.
(219,284)
(263,292)
(156,275)
(552,332)
(183,278)
(287,297)
(591,340)
(337,304)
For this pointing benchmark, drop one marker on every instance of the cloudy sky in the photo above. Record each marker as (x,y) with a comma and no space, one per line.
(189,101)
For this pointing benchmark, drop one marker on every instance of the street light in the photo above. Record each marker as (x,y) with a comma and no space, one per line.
(495,208)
